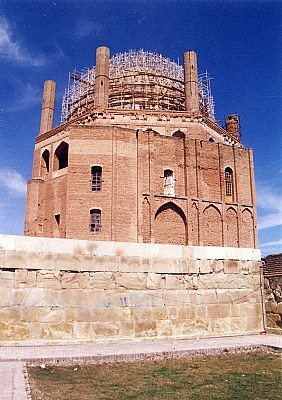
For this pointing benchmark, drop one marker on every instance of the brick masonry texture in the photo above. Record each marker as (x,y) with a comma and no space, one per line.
(56,290)
(134,150)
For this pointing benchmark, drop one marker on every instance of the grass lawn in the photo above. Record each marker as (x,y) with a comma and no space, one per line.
(254,376)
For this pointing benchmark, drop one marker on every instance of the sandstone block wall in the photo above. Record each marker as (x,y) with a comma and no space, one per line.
(54,290)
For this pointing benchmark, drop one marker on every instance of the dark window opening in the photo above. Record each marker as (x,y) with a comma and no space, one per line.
(179,134)
(58,219)
(95,220)
(61,158)
(45,162)
(96,178)
(211,140)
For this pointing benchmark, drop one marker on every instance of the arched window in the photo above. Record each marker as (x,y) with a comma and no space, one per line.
(61,158)
(179,134)
(96,178)
(95,220)
(228,184)
(168,182)
(45,158)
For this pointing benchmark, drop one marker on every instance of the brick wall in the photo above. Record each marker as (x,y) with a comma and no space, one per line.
(133,165)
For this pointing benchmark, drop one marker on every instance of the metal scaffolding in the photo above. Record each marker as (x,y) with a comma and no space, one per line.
(138,80)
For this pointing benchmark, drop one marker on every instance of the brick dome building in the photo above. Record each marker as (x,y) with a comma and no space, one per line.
(139,158)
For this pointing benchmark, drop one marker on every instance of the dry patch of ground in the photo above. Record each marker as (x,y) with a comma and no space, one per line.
(246,376)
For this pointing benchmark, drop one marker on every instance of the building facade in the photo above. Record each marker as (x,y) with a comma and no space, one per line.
(139,158)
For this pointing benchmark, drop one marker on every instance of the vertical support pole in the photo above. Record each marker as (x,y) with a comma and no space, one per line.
(48,105)
(102,77)
(191,81)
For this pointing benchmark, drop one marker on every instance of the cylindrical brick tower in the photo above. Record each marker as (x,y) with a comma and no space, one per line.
(191,81)
(48,105)
(102,77)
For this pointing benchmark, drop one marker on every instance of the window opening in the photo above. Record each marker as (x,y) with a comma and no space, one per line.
(96,178)
(228,184)
(61,156)
(58,219)
(95,220)
(45,162)
(168,182)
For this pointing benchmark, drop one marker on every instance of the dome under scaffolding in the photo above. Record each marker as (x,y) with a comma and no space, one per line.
(137,80)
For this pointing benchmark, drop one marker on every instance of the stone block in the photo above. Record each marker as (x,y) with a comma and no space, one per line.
(139,299)
(105,329)
(186,312)
(270,307)
(5,297)
(206,297)
(254,266)
(129,264)
(131,280)
(145,328)
(75,280)
(254,281)
(213,311)
(29,314)
(255,324)
(164,328)
(244,267)
(162,265)
(201,311)
(6,279)
(188,282)
(205,267)
(48,279)
(220,326)
(13,331)
(235,310)
(193,266)
(75,297)
(174,281)
(57,331)
(231,267)
(279,308)
(153,281)
(82,330)
(99,264)
(25,278)
(127,329)
(102,280)
(239,324)
(50,314)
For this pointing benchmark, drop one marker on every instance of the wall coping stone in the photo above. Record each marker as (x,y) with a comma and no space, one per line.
(76,247)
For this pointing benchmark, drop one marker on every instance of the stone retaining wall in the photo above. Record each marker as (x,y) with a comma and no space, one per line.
(54,290)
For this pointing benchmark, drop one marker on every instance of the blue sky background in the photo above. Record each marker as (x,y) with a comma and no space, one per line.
(237,42)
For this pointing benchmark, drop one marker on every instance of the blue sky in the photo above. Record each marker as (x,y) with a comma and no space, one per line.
(237,42)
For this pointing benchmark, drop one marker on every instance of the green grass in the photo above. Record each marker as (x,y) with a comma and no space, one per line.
(252,376)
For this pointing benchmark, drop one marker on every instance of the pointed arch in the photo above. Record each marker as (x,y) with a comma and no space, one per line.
(212,226)
(247,229)
(194,225)
(229,184)
(178,134)
(146,220)
(61,156)
(45,162)
(170,224)
(231,239)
